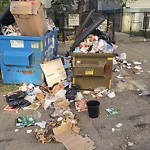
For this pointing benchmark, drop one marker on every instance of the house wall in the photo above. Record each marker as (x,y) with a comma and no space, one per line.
(133,15)
(139,4)
(126,19)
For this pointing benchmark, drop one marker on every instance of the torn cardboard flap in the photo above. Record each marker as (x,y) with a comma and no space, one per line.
(71,140)
(25,7)
(54,71)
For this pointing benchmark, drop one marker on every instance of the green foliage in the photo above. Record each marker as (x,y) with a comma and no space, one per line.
(62,6)
(3,4)
(119,1)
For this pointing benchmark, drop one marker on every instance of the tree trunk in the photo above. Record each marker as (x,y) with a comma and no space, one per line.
(80,11)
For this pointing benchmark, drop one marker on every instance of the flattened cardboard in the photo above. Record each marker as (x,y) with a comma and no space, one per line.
(54,71)
(71,140)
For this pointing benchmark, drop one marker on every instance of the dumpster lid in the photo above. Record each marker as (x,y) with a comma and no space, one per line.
(16,58)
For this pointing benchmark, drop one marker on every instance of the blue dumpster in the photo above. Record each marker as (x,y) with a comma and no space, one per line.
(21,57)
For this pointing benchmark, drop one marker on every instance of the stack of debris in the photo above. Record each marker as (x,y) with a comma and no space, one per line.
(30,19)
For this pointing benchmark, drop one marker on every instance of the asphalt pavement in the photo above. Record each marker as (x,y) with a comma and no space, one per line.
(133,109)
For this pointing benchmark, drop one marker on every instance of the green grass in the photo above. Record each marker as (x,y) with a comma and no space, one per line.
(140,33)
(7,87)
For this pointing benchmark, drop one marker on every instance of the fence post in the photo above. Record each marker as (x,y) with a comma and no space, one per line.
(107,21)
(145,25)
(113,32)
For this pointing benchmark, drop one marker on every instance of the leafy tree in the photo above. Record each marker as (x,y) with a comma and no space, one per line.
(62,6)
(3,4)
(122,2)
(80,5)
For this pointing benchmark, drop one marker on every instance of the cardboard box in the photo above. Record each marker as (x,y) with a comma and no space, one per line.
(25,7)
(54,71)
(32,25)
(68,134)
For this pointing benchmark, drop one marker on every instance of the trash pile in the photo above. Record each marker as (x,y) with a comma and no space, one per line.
(35,25)
(62,122)
(95,44)
(13,30)
(56,96)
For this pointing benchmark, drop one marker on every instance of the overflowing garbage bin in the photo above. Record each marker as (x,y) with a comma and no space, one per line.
(21,56)
(92,70)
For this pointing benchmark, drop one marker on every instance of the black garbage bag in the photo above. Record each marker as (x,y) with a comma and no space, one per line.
(71,92)
(16,99)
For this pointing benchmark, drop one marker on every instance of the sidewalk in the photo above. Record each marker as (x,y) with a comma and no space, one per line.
(124,37)
(120,37)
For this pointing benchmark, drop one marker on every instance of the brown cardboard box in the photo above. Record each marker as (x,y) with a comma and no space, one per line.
(92,70)
(68,134)
(32,25)
(25,7)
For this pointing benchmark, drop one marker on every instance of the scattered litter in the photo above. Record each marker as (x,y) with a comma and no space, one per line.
(81,105)
(57,113)
(119,125)
(123,56)
(129,64)
(29,131)
(36,115)
(40,97)
(145,61)
(137,69)
(136,62)
(60,119)
(71,92)
(144,93)
(10,108)
(48,101)
(31,86)
(33,106)
(16,99)
(116,70)
(43,135)
(25,121)
(111,95)
(148,71)
(130,144)
(112,111)
(79,96)
(41,124)
(113,129)
(86,92)
(30,98)
(16,130)
(119,77)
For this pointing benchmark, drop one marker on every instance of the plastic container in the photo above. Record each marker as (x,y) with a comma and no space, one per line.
(93,108)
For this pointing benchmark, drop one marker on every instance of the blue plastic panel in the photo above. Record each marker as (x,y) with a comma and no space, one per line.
(21,56)
(16,58)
